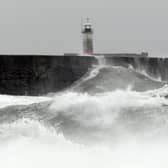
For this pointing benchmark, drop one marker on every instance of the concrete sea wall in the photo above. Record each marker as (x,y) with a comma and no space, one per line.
(38,75)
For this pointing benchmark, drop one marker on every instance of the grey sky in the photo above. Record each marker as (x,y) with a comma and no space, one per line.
(52,26)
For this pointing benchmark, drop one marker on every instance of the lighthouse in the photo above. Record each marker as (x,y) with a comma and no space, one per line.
(87,33)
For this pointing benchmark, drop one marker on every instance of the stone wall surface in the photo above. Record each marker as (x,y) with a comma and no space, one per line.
(37,75)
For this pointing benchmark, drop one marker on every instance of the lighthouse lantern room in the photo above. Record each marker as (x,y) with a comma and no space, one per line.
(87,32)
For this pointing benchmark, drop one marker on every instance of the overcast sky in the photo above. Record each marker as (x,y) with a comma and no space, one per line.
(52,26)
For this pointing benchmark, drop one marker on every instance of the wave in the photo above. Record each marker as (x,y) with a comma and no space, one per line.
(94,118)
(98,118)
(34,145)
(100,130)
(143,72)
(113,78)
(9,100)
(105,78)
(112,117)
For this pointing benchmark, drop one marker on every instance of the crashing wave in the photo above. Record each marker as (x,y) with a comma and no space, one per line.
(113,111)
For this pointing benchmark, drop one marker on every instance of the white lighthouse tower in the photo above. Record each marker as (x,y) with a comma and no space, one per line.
(87,32)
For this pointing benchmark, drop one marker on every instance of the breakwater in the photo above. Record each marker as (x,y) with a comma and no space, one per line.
(37,75)
(41,74)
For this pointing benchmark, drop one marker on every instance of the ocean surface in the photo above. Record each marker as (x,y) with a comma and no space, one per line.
(112,117)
